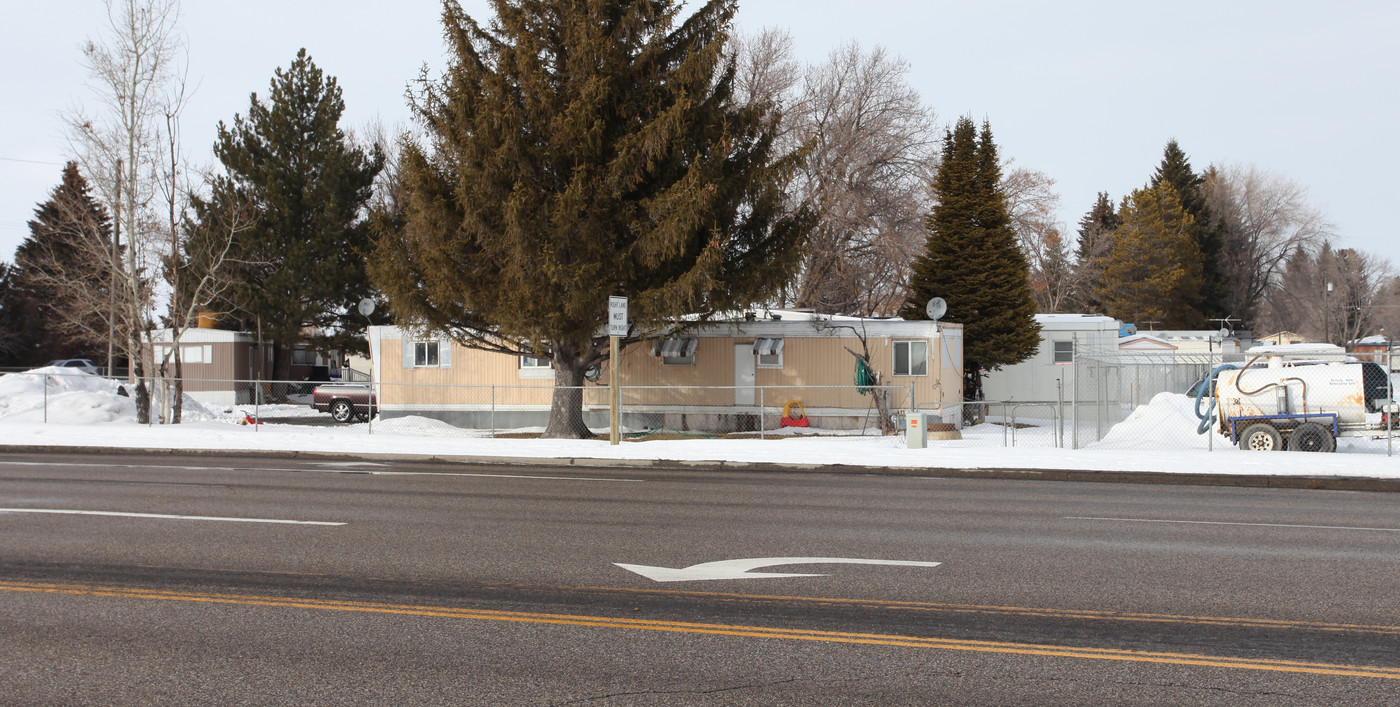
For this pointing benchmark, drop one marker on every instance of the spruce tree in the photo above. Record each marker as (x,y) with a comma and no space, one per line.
(972,259)
(578,151)
(1153,272)
(61,274)
(11,322)
(301,261)
(1175,170)
(1094,243)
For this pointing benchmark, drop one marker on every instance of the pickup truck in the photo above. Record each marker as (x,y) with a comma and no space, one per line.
(346,402)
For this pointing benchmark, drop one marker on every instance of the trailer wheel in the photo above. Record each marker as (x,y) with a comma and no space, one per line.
(1312,437)
(1261,437)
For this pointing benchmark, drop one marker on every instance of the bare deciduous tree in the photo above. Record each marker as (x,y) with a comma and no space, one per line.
(1266,218)
(872,149)
(130,67)
(1333,295)
(1034,207)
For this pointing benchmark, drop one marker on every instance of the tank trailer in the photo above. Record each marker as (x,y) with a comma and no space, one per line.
(1281,399)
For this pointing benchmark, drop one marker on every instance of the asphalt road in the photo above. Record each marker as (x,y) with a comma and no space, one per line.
(165,580)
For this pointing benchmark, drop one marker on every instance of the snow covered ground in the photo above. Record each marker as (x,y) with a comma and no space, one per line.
(1161,436)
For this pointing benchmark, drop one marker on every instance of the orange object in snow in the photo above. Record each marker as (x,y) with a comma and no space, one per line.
(794,418)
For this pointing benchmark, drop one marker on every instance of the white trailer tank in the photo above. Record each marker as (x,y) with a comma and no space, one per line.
(1294,389)
(1299,397)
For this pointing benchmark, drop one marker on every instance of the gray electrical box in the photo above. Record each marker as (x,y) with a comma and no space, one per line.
(916,430)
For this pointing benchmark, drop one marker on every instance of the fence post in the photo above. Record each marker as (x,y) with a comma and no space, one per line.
(257,402)
(493,411)
(46,399)
(374,395)
(1060,413)
(1074,409)
(760,413)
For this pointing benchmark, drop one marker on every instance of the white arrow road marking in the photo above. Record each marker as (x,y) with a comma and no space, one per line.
(163,516)
(739,569)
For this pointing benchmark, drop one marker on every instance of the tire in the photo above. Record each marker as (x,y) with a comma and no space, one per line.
(1312,437)
(1261,437)
(342,411)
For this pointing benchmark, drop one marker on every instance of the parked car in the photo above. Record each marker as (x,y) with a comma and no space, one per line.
(346,402)
(80,364)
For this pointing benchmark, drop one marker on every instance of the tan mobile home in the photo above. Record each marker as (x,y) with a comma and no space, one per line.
(722,376)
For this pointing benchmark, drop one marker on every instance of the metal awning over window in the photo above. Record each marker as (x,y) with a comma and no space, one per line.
(675,347)
(767,347)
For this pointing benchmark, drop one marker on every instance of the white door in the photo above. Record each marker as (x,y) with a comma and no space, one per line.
(743,375)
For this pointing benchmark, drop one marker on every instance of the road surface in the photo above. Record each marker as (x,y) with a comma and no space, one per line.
(177,580)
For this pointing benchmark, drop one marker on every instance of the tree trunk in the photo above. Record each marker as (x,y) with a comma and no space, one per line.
(141,393)
(179,385)
(566,405)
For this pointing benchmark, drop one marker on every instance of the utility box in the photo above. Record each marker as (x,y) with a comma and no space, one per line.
(916,431)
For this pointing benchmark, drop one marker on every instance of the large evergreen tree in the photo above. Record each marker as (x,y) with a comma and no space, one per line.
(1206,230)
(1095,229)
(11,323)
(972,259)
(1153,272)
(301,262)
(62,274)
(577,151)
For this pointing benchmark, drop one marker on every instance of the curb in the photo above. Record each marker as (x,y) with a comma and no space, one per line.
(1330,483)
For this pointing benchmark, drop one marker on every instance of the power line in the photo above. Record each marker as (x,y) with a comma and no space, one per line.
(16,159)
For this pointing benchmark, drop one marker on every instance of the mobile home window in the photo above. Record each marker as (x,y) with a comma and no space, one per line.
(197,354)
(911,358)
(535,362)
(676,351)
(1064,352)
(303,357)
(425,353)
(769,352)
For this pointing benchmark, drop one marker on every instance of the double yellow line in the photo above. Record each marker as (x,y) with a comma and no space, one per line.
(1285,666)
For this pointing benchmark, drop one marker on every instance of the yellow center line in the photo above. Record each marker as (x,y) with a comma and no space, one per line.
(715,629)
(1014,610)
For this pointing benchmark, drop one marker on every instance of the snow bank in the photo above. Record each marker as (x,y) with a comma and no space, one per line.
(1168,421)
(69,396)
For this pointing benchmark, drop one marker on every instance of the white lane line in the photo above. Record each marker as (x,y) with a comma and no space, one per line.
(499,476)
(1217,522)
(163,516)
(352,472)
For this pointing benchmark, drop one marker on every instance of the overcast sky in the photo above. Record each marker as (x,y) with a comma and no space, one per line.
(1087,92)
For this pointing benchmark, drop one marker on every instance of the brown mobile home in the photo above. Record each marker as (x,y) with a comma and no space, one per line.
(723,376)
(218,365)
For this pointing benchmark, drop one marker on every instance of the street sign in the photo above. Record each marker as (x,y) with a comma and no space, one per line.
(742,569)
(617,316)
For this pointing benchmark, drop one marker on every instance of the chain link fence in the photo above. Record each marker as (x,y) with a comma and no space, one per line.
(1105,401)
(1149,402)
(520,410)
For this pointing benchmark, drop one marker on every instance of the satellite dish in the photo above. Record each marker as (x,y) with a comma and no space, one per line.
(936,308)
(1224,333)
(366,306)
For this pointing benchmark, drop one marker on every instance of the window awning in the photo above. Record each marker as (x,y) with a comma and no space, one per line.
(767,347)
(682,347)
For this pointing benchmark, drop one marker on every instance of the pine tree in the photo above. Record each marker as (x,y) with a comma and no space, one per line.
(1153,272)
(1175,170)
(301,260)
(972,259)
(61,275)
(1094,243)
(11,322)
(579,151)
